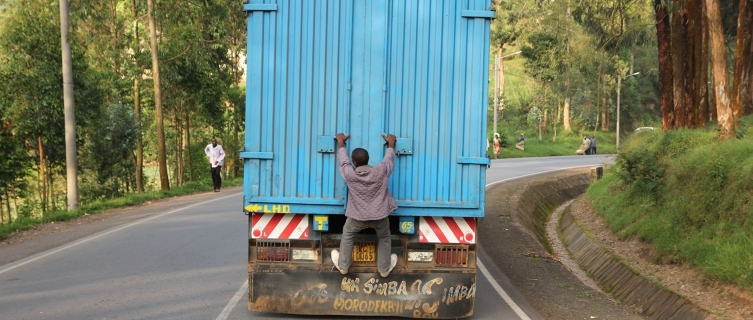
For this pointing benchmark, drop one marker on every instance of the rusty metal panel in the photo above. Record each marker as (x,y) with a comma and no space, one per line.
(310,292)
(414,68)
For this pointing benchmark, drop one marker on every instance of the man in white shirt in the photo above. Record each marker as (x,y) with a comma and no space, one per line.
(216,158)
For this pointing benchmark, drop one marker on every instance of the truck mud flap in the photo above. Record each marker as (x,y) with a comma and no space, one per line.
(309,292)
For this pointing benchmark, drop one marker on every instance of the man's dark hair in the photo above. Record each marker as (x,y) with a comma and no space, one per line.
(360,157)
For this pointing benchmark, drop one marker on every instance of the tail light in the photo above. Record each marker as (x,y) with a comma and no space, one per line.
(272,251)
(451,255)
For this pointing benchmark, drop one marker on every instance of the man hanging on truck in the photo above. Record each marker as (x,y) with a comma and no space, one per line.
(369,203)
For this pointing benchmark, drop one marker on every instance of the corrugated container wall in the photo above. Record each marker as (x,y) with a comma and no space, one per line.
(415,68)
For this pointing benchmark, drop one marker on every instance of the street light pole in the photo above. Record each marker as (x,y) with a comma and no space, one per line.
(496,92)
(68,110)
(619,84)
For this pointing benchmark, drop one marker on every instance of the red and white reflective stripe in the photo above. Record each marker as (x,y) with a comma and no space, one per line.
(279,226)
(446,230)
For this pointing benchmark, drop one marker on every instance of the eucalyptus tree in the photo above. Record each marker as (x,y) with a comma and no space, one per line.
(115,137)
(31,46)
(743,87)
(198,72)
(161,150)
(618,30)
(689,32)
(719,70)
(666,76)
(505,28)
(543,53)
(14,166)
(236,40)
(138,60)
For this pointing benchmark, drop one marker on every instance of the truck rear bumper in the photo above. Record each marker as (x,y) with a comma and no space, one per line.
(413,295)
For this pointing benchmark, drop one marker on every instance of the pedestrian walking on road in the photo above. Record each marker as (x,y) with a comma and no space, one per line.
(587,143)
(497,142)
(487,155)
(369,204)
(216,158)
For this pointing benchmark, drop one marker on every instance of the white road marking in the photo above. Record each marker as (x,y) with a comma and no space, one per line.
(244,288)
(537,173)
(93,237)
(485,272)
(502,293)
(230,305)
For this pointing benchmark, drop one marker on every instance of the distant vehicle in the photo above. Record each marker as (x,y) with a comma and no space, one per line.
(641,129)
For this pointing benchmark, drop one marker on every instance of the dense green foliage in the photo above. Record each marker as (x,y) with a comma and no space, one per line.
(682,190)
(690,195)
(573,51)
(201,49)
(566,144)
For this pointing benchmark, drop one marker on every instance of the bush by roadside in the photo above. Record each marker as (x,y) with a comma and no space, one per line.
(690,195)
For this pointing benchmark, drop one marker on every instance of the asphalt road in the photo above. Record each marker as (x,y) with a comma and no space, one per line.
(188,261)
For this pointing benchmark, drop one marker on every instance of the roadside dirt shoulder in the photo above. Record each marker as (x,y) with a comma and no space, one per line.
(557,294)
(722,301)
(545,283)
(46,236)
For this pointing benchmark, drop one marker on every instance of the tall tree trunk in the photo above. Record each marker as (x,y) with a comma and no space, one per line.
(603,107)
(693,46)
(236,122)
(7,204)
(748,107)
(741,93)
(719,70)
(188,145)
(161,150)
(181,146)
(666,78)
(703,70)
(15,203)
(137,105)
(42,177)
(680,63)
(599,91)
(139,139)
(2,211)
(566,114)
(52,190)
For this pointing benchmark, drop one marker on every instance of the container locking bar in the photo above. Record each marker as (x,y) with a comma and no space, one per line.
(471,160)
(248,7)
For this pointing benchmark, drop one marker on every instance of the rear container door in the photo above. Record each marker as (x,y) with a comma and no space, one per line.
(416,69)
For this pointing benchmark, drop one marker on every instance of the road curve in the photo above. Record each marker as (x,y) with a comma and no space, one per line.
(187,260)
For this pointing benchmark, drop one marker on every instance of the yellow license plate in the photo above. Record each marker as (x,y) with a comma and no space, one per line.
(364,253)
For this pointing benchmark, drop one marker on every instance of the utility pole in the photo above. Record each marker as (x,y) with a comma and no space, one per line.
(69,110)
(496,92)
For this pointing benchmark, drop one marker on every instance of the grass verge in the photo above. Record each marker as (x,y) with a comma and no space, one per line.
(690,195)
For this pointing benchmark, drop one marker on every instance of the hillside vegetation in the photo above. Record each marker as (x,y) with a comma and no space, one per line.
(688,194)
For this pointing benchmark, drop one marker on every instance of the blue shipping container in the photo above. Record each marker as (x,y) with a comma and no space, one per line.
(417,69)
